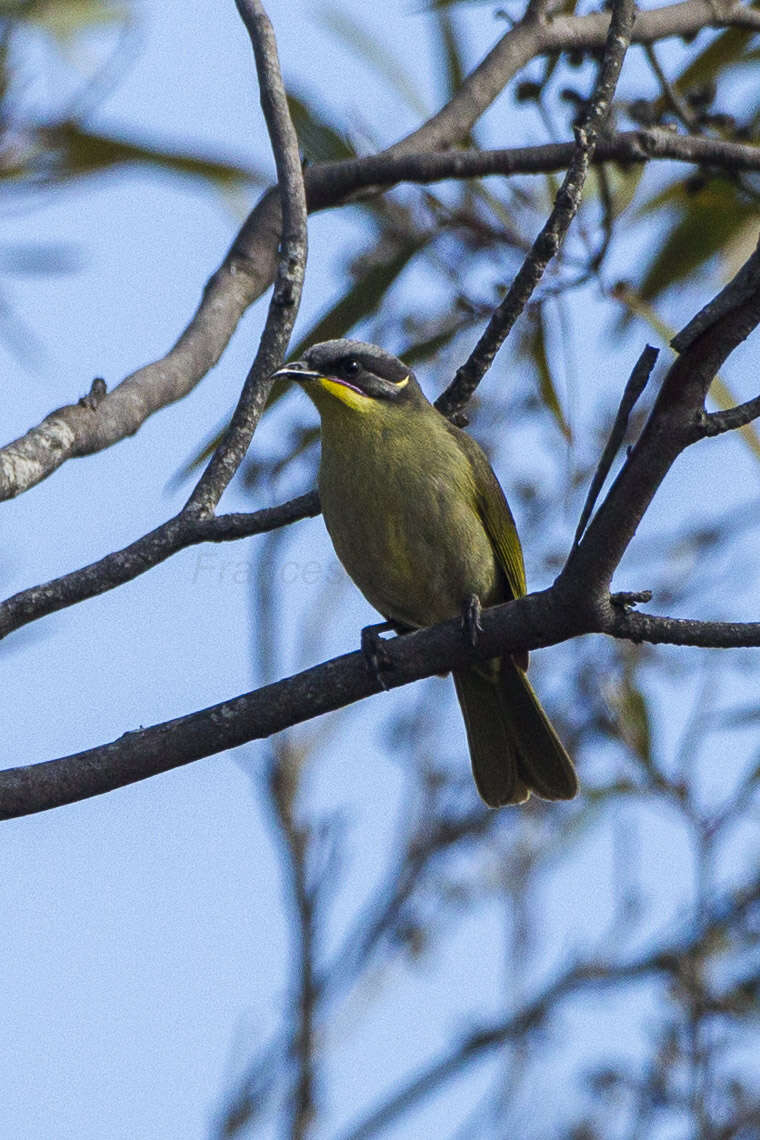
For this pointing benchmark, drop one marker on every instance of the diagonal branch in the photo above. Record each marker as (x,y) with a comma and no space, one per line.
(636,383)
(566,205)
(675,422)
(153,548)
(286,295)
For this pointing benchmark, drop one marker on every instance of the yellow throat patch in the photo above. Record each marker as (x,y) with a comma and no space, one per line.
(359,401)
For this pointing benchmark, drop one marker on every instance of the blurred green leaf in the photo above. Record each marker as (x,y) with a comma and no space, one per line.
(452,66)
(631,713)
(426,349)
(65,18)
(68,150)
(709,219)
(623,182)
(727,49)
(532,348)
(320,141)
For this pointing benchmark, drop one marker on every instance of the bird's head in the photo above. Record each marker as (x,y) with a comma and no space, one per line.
(361,376)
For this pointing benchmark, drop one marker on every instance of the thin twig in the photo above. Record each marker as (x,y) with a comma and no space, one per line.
(637,381)
(679,106)
(548,242)
(296,837)
(666,962)
(715,423)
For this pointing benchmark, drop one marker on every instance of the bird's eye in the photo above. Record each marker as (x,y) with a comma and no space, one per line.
(349,366)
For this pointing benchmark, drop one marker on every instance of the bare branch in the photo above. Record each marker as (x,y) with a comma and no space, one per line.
(715,423)
(533,621)
(532,38)
(635,626)
(548,242)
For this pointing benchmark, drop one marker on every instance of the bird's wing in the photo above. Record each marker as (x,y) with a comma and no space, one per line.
(497,518)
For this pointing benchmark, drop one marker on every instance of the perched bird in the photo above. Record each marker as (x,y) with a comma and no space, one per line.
(419,521)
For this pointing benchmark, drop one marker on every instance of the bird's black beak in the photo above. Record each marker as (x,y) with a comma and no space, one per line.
(296,370)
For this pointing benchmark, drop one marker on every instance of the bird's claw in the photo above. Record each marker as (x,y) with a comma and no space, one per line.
(471,611)
(374,652)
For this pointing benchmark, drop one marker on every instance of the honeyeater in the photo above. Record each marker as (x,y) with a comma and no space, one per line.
(419,521)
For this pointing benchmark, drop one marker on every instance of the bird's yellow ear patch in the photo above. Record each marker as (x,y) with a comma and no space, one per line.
(356,400)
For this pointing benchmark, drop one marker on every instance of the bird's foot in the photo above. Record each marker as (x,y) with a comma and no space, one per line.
(471,610)
(374,652)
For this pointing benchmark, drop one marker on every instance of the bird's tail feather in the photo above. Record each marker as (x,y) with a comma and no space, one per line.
(513,745)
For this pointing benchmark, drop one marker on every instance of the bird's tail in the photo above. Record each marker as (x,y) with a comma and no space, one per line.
(513,746)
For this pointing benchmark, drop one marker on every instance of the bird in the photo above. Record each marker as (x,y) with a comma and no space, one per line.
(422,526)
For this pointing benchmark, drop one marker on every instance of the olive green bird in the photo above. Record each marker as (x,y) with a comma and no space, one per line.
(419,521)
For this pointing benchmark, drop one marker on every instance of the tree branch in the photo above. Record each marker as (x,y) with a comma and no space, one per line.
(666,962)
(634,626)
(675,422)
(637,381)
(715,423)
(286,295)
(531,622)
(568,200)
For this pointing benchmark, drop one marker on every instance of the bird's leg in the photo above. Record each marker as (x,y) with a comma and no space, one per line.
(374,651)
(471,610)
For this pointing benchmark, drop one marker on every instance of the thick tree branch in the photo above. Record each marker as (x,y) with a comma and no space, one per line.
(537,620)
(566,206)
(250,265)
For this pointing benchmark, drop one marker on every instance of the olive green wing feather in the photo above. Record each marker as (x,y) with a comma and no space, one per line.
(497,518)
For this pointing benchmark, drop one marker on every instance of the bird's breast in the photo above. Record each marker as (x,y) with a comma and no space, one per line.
(403,520)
